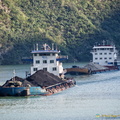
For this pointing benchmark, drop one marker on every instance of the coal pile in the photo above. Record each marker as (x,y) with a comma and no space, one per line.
(44,78)
(94,67)
(40,78)
(17,82)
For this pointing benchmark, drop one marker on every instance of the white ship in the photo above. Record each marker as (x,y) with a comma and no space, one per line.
(47,59)
(105,55)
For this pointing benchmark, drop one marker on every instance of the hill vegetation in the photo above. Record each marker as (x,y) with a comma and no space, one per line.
(74,25)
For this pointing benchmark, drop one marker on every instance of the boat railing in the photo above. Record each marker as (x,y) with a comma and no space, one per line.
(93,51)
(62,56)
(118,62)
(54,85)
(65,81)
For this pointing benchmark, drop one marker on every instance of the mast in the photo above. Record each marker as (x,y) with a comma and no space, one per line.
(14,73)
(37,46)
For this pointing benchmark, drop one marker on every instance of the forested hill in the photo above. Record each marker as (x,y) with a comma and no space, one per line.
(74,25)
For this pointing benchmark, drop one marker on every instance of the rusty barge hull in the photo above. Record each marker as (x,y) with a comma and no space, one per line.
(109,68)
(90,68)
(77,71)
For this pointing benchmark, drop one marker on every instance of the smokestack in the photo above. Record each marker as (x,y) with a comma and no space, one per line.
(52,46)
(37,46)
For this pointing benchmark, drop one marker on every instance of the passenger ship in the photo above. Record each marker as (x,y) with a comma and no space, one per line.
(105,55)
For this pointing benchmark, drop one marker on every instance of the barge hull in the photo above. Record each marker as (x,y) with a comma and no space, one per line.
(21,91)
(36,91)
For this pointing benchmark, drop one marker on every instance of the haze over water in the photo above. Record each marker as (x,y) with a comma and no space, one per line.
(93,96)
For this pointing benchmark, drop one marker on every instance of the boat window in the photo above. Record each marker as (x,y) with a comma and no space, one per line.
(95,53)
(94,50)
(51,61)
(44,54)
(96,58)
(47,54)
(45,69)
(110,53)
(96,62)
(100,58)
(37,61)
(101,48)
(54,68)
(34,69)
(35,54)
(53,54)
(111,49)
(110,58)
(105,58)
(105,53)
(44,61)
(100,53)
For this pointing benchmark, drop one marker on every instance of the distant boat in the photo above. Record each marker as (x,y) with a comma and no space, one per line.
(105,58)
(76,70)
(105,55)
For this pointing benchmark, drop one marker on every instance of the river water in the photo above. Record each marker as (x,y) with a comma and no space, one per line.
(95,97)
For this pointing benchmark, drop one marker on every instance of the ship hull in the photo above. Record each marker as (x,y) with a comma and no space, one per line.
(36,91)
(77,71)
(22,91)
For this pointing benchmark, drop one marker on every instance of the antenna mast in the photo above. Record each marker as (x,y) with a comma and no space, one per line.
(37,46)
(52,46)
(14,75)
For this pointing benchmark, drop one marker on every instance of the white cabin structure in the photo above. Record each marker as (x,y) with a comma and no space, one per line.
(47,59)
(105,55)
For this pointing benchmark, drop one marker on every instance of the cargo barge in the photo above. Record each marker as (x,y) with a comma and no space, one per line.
(40,83)
(105,55)
(46,76)
(105,58)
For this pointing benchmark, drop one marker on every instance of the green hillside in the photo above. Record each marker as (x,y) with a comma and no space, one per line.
(74,25)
